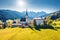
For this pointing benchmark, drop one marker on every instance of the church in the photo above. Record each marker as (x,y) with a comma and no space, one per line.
(24,20)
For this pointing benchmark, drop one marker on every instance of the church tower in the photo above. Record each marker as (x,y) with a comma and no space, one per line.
(26,16)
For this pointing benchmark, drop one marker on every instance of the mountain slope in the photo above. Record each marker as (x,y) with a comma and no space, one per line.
(54,15)
(8,14)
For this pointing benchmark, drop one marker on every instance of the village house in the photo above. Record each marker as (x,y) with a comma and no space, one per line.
(38,20)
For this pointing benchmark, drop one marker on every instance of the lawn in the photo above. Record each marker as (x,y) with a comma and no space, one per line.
(29,34)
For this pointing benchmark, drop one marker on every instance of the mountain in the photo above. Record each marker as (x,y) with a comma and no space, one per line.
(36,14)
(9,14)
(32,14)
(54,15)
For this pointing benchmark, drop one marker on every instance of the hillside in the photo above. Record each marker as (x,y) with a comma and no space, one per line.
(53,20)
(54,15)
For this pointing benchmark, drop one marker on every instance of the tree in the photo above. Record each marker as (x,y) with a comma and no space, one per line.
(9,23)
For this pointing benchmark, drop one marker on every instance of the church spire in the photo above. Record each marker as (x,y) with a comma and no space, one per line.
(26,16)
(26,13)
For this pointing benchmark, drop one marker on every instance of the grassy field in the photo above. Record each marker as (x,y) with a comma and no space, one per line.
(28,34)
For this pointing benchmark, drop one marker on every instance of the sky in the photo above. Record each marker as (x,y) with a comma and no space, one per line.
(31,5)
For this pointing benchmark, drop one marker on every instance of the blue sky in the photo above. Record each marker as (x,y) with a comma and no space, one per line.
(31,5)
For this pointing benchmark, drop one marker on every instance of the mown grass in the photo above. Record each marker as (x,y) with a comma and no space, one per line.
(28,34)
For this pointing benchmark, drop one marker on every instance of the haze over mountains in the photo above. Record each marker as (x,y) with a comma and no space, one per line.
(9,14)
